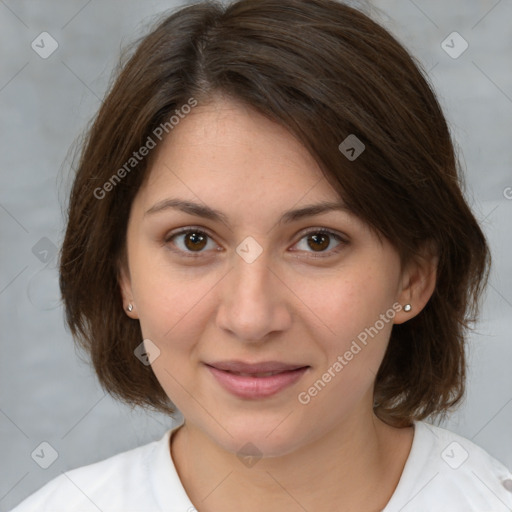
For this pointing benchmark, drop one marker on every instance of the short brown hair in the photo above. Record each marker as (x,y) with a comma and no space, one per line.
(323,70)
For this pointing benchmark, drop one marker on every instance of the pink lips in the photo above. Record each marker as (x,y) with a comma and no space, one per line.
(258,380)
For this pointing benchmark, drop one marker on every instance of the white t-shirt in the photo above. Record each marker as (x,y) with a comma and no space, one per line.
(443,473)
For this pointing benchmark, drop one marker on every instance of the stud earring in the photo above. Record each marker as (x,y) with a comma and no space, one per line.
(130,307)
(407,308)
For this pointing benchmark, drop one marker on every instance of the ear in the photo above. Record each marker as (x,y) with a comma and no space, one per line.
(125,286)
(418,283)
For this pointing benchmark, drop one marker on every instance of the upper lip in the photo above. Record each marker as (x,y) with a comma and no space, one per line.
(263,367)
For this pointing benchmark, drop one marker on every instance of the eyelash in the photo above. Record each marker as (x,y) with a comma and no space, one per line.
(321,254)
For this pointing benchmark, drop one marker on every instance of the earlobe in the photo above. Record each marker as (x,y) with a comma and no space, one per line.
(125,287)
(418,285)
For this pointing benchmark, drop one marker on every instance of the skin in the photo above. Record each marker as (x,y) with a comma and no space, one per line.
(332,454)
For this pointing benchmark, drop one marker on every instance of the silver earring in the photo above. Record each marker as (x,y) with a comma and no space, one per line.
(130,307)
(407,308)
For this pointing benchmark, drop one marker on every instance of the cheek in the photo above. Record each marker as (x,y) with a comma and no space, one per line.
(166,295)
(170,310)
(344,304)
(173,312)
(353,340)
(352,324)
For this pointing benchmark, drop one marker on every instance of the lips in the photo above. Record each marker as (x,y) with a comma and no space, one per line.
(265,374)
(256,380)
(262,369)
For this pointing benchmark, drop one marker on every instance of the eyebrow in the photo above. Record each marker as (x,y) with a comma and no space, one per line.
(215,215)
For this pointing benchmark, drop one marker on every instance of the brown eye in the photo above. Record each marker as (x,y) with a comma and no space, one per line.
(320,241)
(195,241)
(189,242)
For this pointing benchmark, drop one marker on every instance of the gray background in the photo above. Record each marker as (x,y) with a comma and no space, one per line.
(46,392)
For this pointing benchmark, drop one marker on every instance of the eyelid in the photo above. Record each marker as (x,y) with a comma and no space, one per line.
(186,229)
(328,231)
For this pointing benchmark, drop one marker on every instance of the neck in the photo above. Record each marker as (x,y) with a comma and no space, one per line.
(355,466)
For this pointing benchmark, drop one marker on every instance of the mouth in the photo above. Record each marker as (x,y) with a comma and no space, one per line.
(265,374)
(256,381)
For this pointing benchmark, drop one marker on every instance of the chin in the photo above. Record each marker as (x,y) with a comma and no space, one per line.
(264,434)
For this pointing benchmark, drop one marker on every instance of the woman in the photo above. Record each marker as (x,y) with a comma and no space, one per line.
(266,232)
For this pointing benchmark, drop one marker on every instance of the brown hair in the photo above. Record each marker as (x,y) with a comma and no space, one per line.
(324,71)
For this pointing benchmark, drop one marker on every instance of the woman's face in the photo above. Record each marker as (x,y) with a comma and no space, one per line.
(257,284)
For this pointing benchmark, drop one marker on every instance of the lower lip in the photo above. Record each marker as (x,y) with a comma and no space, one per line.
(256,387)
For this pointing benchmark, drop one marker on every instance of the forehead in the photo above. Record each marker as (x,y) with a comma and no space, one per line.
(229,150)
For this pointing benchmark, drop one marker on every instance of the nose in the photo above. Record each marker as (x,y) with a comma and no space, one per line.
(254,300)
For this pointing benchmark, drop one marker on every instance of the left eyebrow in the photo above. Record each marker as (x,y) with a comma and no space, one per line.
(311,210)
(207,212)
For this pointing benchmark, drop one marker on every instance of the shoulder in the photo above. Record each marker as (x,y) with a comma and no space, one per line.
(448,472)
(120,483)
(462,456)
